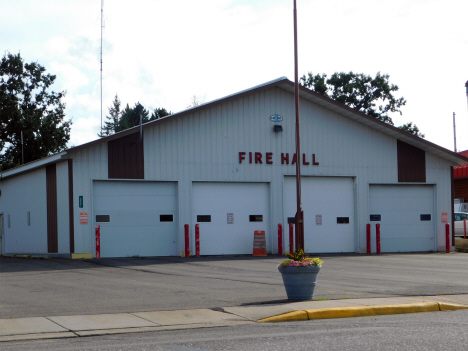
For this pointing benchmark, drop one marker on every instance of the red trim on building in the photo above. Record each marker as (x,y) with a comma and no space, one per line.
(461,171)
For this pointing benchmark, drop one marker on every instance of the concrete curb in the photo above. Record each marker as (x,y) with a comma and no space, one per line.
(362,311)
(31,328)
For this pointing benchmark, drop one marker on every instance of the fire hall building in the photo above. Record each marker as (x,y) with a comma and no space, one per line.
(229,166)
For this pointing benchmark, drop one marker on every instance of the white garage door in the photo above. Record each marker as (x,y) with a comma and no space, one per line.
(136,218)
(229,214)
(328,205)
(406,217)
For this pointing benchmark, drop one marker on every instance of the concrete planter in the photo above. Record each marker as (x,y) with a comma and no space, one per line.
(300,282)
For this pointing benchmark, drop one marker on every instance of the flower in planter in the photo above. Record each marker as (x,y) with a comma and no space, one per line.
(299,259)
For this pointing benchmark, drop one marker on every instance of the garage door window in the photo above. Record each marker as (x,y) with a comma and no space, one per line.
(103,218)
(256,218)
(166,218)
(203,218)
(342,220)
(425,217)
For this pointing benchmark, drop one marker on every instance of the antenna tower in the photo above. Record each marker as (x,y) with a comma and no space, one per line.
(454,134)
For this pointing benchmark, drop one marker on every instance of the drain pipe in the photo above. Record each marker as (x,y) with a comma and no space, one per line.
(140,108)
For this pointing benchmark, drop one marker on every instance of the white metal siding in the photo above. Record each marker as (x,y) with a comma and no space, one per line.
(1,233)
(207,142)
(134,208)
(438,173)
(88,164)
(401,207)
(21,195)
(219,237)
(204,146)
(329,198)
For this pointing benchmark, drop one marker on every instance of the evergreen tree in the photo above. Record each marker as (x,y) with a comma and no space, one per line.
(119,120)
(131,117)
(112,121)
(159,113)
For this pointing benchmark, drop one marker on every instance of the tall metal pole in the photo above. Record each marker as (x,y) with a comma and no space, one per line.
(299,213)
(466,86)
(454,134)
(102,10)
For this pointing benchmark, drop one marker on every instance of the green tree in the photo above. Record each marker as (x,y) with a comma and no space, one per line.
(120,120)
(131,117)
(112,121)
(373,96)
(411,128)
(159,113)
(31,116)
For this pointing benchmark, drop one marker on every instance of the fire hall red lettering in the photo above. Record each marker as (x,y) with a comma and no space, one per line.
(313,160)
(241,156)
(257,158)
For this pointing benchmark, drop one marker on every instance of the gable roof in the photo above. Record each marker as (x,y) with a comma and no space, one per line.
(286,84)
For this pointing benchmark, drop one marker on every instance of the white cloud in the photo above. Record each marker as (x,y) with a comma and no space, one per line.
(70,76)
(86,129)
(163,52)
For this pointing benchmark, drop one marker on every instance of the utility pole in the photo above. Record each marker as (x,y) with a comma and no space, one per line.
(299,212)
(466,86)
(454,134)
(102,12)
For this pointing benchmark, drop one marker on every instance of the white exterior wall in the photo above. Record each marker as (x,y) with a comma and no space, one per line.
(88,164)
(436,173)
(21,195)
(204,146)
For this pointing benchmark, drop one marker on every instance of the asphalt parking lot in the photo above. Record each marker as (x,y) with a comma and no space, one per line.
(38,287)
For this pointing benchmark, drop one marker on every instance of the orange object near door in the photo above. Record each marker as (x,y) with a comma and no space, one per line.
(259,246)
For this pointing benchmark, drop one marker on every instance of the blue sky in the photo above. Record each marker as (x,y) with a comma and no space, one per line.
(163,52)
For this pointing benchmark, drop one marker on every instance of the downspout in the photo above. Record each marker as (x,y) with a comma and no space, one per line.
(140,108)
(141,127)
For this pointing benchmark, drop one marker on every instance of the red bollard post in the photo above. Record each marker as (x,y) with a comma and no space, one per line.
(464,227)
(280,239)
(98,241)
(197,240)
(187,241)
(291,238)
(377,237)
(368,233)
(447,238)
